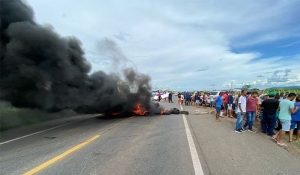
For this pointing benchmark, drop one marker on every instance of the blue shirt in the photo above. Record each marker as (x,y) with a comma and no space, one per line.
(197,97)
(187,96)
(230,99)
(296,116)
(218,101)
(170,95)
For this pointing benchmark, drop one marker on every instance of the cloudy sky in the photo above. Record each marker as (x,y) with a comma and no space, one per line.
(188,45)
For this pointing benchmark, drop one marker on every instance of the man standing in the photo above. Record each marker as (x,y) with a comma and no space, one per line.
(295,121)
(187,98)
(170,97)
(211,97)
(269,107)
(286,108)
(218,107)
(235,104)
(230,104)
(190,99)
(241,112)
(204,99)
(225,103)
(159,96)
(197,97)
(251,108)
(259,101)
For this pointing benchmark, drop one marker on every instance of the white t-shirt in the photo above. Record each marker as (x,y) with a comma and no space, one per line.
(205,97)
(242,101)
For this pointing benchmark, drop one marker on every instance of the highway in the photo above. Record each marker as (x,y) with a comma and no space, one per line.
(167,144)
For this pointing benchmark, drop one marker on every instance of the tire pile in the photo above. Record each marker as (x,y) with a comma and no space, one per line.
(175,111)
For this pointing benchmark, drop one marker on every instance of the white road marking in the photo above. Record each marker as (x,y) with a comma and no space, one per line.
(2,143)
(195,158)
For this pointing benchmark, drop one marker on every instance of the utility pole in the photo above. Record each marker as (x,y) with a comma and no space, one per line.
(231,85)
(213,85)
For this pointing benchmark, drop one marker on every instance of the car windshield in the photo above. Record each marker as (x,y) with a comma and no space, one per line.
(213,93)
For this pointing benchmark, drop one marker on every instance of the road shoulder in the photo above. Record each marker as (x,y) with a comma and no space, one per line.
(227,152)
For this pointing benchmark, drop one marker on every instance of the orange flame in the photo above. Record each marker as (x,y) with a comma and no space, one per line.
(162,112)
(139,110)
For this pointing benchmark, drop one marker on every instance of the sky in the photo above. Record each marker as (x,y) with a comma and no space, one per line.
(187,45)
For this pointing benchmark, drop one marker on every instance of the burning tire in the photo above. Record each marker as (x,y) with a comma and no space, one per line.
(166,113)
(175,111)
(184,112)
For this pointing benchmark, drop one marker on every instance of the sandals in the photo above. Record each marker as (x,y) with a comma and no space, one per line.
(281,144)
(274,138)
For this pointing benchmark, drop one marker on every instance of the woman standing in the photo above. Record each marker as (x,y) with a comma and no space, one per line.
(179,98)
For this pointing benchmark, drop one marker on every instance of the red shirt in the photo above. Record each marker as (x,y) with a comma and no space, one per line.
(251,104)
(225,98)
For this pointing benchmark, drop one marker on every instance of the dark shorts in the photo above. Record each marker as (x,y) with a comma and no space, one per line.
(226,106)
(294,123)
(233,106)
(222,107)
(218,109)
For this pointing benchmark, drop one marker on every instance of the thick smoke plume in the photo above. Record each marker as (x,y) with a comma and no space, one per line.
(41,69)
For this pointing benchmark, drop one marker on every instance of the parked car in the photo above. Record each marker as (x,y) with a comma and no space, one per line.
(155,96)
(215,94)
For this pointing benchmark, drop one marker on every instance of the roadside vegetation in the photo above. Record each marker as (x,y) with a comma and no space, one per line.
(285,91)
(11,117)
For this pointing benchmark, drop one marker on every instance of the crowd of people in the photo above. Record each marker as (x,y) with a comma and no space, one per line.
(196,99)
(266,107)
(250,107)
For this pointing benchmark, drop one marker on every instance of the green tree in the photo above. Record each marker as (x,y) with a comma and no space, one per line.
(254,90)
(246,87)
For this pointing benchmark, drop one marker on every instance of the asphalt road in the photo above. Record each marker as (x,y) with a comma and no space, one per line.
(146,145)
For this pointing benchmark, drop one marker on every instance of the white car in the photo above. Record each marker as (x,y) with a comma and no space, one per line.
(155,97)
(215,93)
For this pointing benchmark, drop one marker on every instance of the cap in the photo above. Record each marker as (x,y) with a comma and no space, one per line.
(272,94)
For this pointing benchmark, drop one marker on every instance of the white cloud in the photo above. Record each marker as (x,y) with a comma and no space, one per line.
(172,41)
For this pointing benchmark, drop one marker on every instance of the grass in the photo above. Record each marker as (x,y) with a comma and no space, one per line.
(295,144)
(11,117)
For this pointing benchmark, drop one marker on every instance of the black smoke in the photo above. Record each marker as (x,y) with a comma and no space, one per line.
(41,69)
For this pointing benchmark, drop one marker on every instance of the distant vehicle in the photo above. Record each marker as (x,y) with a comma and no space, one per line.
(215,93)
(155,96)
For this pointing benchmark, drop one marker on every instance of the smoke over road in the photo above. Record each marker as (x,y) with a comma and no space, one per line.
(41,69)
